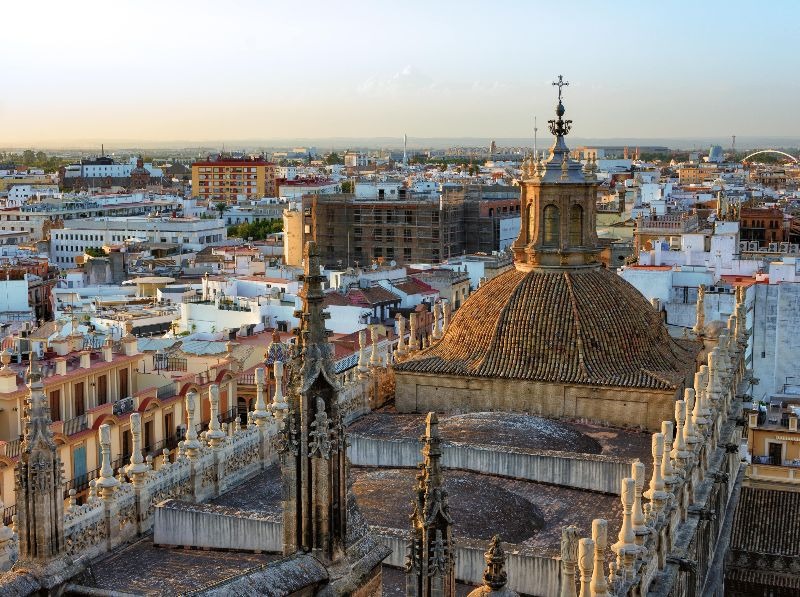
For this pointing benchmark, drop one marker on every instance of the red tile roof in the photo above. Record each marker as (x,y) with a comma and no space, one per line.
(583,327)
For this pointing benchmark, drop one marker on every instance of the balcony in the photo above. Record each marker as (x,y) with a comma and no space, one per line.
(76,425)
(124,406)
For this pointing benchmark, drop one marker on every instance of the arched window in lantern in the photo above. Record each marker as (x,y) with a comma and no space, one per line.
(551,224)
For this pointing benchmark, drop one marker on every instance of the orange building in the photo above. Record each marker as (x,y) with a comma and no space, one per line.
(226,179)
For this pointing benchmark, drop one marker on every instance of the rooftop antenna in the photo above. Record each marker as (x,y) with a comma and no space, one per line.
(535,132)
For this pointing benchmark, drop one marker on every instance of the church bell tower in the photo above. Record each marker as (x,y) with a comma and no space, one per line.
(557,206)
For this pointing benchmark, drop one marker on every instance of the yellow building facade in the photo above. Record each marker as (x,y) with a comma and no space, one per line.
(226,180)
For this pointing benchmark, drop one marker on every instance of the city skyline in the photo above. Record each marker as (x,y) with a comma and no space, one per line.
(199,72)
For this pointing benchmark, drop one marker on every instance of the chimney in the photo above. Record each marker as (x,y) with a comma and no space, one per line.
(129,345)
(753,421)
(792,423)
(60,345)
(8,380)
(86,359)
(61,366)
(108,356)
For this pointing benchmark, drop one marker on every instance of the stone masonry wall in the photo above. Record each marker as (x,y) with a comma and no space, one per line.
(613,406)
(584,471)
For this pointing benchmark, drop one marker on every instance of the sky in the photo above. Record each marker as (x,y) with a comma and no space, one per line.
(199,71)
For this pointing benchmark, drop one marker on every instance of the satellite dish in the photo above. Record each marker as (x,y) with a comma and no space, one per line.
(392,263)
(275,291)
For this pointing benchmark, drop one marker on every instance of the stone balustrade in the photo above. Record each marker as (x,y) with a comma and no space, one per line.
(673,548)
(118,509)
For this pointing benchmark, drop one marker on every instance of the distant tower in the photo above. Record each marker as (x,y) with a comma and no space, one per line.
(312,444)
(430,565)
(624,153)
(492,148)
(40,503)
(733,145)
(405,149)
(535,133)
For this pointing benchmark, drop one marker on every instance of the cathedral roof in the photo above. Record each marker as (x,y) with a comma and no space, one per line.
(567,326)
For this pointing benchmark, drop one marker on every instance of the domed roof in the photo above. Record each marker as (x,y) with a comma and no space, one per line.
(579,326)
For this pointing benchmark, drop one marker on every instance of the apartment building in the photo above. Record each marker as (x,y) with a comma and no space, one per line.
(773,442)
(34,221)
(192,234)
(227,179)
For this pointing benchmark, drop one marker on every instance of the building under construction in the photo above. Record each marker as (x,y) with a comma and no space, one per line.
(411,228)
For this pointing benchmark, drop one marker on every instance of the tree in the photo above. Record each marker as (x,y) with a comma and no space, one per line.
(222,207)
(347,186)
(28,157)
(256,230)
(333,158)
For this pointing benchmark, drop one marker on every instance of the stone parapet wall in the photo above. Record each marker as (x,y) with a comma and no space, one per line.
(528,572)
(215,527)
(582,471)
(614,406)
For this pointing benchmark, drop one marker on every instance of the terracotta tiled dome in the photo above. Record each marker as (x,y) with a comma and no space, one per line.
(583,326)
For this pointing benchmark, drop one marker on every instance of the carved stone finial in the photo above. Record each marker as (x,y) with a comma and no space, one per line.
(680,452)
(215,435)
(700,312)
(137,467)
(667,472)
(363,366)
(637,515)
(495,577)
(655,493)
(586,565)
(279,405)
(599,584)
(260,414)
(569,558)
(436,334)
(374,359)
(191,445)
(106,483)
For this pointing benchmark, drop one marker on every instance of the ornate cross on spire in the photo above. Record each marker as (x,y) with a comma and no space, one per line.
(560,83)
(560,127)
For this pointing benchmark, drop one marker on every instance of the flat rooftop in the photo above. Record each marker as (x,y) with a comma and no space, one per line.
(502,429)
(142,568)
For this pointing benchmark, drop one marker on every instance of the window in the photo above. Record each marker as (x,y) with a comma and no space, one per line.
(552,221)
(80,402)
(576,226)
(407,253)
(55,405)
(123,383)
(102,389)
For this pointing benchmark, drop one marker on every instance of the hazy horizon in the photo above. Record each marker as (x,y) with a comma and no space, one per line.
(206,73)
(323,145)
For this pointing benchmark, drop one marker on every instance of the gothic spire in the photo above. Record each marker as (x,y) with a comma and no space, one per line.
(430,563)
(312,442)
(312,330)
(40,504)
